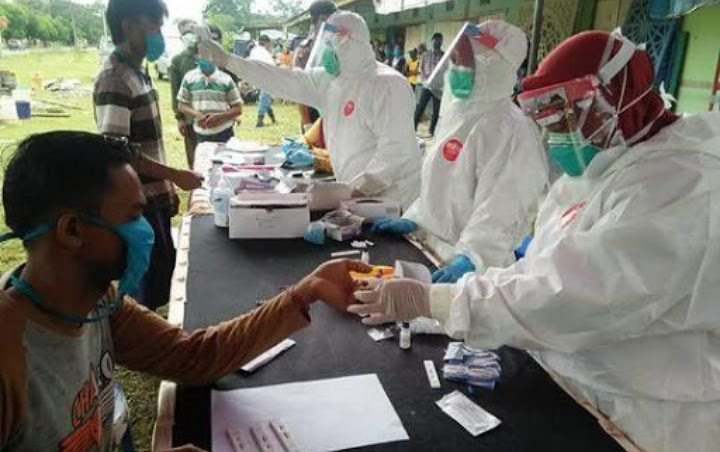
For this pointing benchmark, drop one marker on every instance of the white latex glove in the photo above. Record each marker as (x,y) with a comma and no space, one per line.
(214,53)
(392,301)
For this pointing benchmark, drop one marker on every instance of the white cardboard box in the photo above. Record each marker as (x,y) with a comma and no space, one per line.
(268,216)
(328,195)
(372,208)
(347,229)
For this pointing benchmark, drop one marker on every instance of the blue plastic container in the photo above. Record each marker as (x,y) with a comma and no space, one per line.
(23,109)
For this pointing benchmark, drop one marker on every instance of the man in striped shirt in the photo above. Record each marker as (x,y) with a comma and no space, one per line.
(430,60)
(126,105)
(210,98)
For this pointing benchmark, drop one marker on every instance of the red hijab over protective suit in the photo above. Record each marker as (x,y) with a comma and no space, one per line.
(628,88)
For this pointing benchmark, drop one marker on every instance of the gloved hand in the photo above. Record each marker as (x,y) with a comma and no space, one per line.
(315,233)
(398,226)
(522,249)
(392,301)
(300,157)
(454,271)
(213,52)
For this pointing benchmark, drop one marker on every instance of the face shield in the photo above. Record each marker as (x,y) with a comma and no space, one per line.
(577,117)
(324,51)
(457,67)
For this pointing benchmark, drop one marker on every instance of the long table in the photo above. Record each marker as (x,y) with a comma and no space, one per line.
(225,278)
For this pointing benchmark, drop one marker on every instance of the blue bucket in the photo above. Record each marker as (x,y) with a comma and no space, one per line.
(23,109)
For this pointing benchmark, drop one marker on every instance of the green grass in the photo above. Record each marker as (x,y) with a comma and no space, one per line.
(83,65)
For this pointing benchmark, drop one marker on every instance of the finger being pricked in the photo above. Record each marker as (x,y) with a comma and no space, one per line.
(358,266)
(369,283)
(377,319)
(346,265)
(365,309)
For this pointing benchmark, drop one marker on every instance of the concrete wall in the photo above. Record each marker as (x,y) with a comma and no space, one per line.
(703,27)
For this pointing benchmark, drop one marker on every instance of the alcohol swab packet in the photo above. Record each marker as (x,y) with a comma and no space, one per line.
(467,413)
(379,334)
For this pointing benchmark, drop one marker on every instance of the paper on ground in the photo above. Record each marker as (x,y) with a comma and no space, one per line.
(323,415)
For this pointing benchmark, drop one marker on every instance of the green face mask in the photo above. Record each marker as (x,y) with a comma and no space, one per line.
(330,61)
(461,82)
(190,40)
(569,153)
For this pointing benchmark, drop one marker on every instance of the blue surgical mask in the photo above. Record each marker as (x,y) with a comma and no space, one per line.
(154,46)
(138,237)
(570,153)
(206,66)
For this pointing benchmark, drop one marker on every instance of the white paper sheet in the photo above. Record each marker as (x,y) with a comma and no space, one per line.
(323,415)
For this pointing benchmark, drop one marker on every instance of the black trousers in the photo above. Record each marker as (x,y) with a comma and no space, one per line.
(155,289)
(425,96)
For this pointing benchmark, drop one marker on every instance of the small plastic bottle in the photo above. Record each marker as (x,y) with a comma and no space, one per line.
(221,203)
(215,175)
(405,336)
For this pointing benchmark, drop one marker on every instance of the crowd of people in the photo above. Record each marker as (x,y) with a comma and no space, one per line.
(615,292)
(416,66)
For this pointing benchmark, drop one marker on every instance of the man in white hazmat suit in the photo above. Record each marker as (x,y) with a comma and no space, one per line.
(487,173)
(367,107)
(618,293)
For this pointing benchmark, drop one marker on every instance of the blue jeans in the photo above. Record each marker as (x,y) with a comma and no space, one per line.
(265,103)
(221,137)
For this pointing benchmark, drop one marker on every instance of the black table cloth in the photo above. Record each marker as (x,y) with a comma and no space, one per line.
(226,278)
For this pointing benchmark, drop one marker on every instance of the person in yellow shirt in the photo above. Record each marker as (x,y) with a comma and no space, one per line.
(413,68)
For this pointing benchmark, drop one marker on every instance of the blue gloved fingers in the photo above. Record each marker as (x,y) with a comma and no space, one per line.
(405,226)
(398,226)
(522,249)
(454,271)
(381,225)
(448,278)
(437,275)
(462,264)
(300,158)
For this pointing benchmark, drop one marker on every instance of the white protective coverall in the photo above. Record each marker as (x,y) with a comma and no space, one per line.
(367,113)
(485,177)
(619,292)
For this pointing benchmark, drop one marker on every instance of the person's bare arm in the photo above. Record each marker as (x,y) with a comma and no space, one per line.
(185,179)
(215,119)
(190,112)
(234,112)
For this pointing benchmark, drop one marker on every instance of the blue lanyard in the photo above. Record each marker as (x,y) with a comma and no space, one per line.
(24,288)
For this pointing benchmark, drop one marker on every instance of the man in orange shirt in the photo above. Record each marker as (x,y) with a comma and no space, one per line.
(76,203)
